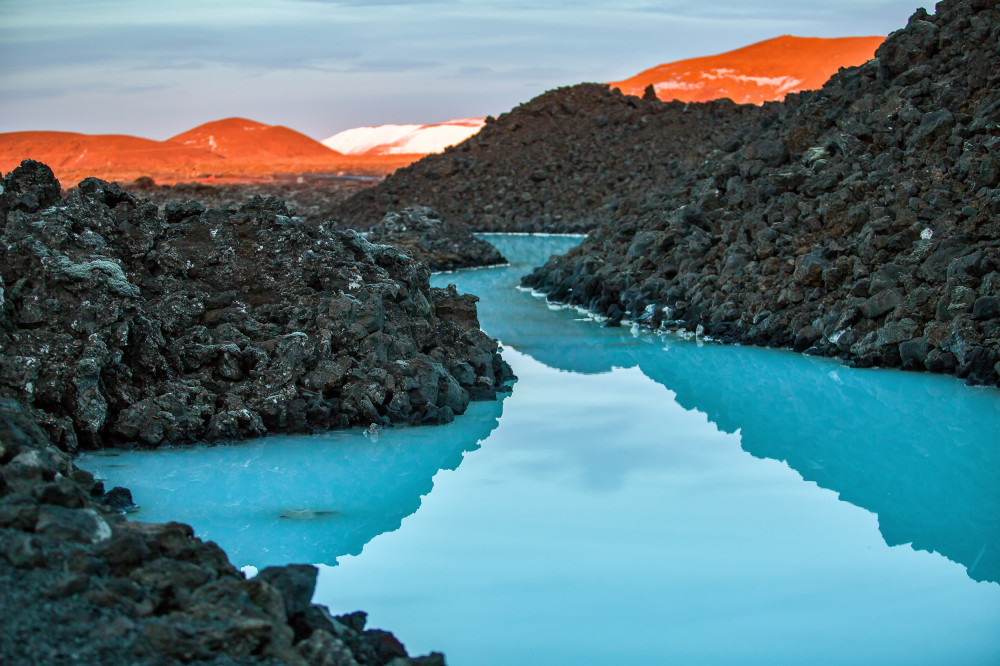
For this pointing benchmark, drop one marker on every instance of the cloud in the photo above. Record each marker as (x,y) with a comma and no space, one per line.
(373,61)
(166,46)
(391,65)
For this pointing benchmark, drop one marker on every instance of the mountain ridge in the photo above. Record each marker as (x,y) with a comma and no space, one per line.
(217,150)
(240,148)
(858,221)
(760,72)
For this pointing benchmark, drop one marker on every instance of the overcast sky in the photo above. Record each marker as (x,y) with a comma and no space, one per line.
(155,69)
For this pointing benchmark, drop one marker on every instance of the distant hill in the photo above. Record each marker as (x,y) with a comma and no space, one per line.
(754,74)
(230,149)
(404,139)
(242,140)
(69,151)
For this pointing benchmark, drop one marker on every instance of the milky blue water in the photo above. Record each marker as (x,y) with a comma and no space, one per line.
(638,499)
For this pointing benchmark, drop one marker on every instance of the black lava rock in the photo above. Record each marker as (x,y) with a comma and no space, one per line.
(120,499)
(858,221)
(566,161)
(78,584)
(443,246)
(120,326)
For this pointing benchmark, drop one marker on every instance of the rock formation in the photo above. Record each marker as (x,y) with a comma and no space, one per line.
(313,198)
(563,162)
(857,221)
(122,326)
(78,584)
(442,245)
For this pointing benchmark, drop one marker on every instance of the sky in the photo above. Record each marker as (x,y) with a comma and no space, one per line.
(156,69)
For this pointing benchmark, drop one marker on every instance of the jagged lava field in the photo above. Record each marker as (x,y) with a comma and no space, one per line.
(639,492)
(857,221)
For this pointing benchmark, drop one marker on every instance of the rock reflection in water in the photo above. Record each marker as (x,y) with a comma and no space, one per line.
(920,451)
(296,499)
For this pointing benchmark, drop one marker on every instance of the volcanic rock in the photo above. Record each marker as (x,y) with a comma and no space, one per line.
(420,232)
(80,585)
(563,162)
(313,198)
(121,326)
(865,212)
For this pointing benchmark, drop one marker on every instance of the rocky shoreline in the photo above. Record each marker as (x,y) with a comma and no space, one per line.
(80,585)
(443,246)
(420,231)
(124,326)
(859,221)
(313,198)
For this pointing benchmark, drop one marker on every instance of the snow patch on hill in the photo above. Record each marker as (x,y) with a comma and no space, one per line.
(403,139)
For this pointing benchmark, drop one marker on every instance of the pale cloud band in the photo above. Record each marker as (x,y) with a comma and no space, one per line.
(155,69)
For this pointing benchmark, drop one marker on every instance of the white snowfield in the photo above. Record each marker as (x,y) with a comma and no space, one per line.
(399,139)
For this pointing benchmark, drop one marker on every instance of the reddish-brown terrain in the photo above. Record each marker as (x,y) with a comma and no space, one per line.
(754,74)
(242,140)
(234,149)
(90,154)
(237,149)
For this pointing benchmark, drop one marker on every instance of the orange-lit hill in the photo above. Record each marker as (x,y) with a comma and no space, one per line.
(97,153)
(247,141)
(755,74)
(231,149)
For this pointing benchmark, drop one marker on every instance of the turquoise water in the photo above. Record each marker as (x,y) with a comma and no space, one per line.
(638,499)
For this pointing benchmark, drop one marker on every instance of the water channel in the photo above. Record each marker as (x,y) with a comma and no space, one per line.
(638,498)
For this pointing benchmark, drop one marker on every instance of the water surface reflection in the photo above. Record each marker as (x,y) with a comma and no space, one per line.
(286,499)
(922,452)
(641,501)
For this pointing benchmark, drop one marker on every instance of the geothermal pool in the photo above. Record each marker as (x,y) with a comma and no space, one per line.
(639,498)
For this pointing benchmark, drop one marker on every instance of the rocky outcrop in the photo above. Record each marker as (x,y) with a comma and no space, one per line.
(313,198)
(443,246)
(563,162)
(858,221)
(419,231)
(119,325)
(78,584)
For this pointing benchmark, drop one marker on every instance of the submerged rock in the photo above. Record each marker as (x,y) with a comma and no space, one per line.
(122,326)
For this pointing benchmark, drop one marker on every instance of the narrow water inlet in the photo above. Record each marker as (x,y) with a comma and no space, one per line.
(637,498)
